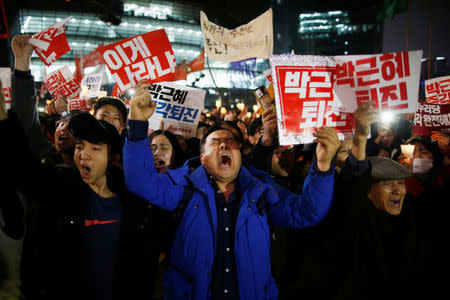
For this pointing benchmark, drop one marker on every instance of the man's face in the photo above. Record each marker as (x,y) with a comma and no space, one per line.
(91,160)
(388,195)
(221,156)
(283,162)
(162,152)
(64,140)
(111,114)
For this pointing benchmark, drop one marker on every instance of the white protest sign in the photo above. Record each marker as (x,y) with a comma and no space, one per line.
(5,78)
(179,107)
(437,90)
(391,80)
(90,85)
(62,82)
(254,39)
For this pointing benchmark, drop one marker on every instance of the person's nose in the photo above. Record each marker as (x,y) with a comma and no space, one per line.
(223,145)
(85,154)
(396,188)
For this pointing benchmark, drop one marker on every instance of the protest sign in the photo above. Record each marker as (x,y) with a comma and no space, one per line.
(51,43)
(146,56)
(79,104)
(5,78)
(254,39)
(90,85)
(431,117)
(179,107)
(391,80)
(62,82)
(303,87)
(437,90)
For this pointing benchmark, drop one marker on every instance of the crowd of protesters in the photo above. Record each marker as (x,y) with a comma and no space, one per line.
(108,209)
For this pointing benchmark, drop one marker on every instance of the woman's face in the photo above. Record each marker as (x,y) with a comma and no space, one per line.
(421,152)
(162,153)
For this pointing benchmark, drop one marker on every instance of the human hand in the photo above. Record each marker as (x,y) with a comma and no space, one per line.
(3,111)
(442,139)
(405,161)
(364,116)
(141,105)
(22,50)
(327,144)
(269,120)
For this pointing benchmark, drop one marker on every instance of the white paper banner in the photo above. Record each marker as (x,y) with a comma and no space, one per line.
(62,82)
(5,77)
(437,90)
(90,85)
(254,39)
(391,80)
(179,107)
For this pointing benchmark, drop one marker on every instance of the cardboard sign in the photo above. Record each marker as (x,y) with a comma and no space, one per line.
(78,104)
(62,82)
(391,80)
(304,98)
(51,43)
(147,56)
(90,85)
(5,78)
(431,117)
(437,90)
(179,107)
(254,39)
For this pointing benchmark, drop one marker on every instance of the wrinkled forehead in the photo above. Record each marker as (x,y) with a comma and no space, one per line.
(220,134)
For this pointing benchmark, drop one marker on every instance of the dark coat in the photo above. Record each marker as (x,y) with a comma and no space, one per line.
(53,240)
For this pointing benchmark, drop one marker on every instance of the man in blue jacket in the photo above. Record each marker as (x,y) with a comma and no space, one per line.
(221,248)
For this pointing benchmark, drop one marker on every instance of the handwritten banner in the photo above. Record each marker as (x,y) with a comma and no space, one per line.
(437,90)
(90,85)
(391,80)
(254,39)
(5,78)
(431,117)
(147,56)
(51,43)
(62,82)
(179,107)
(303,88)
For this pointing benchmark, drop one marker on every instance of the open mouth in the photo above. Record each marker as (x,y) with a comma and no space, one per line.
(85,171)
(159,163)
(224,160)
(62,139)
(396,203)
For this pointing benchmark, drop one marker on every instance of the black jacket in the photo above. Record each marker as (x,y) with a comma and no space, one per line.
(53,239)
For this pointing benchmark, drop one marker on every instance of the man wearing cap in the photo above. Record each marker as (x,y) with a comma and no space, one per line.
(91,238)
(221,248)
(378,236)
(23,101)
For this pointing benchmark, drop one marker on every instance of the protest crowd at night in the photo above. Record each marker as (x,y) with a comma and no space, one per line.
(330,182)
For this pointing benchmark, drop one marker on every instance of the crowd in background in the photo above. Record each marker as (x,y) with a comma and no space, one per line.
(362,249)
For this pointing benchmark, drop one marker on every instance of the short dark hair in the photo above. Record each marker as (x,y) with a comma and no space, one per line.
(254,127)
(430,145)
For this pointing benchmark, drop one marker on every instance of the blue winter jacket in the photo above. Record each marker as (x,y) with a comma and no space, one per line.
(192,254)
